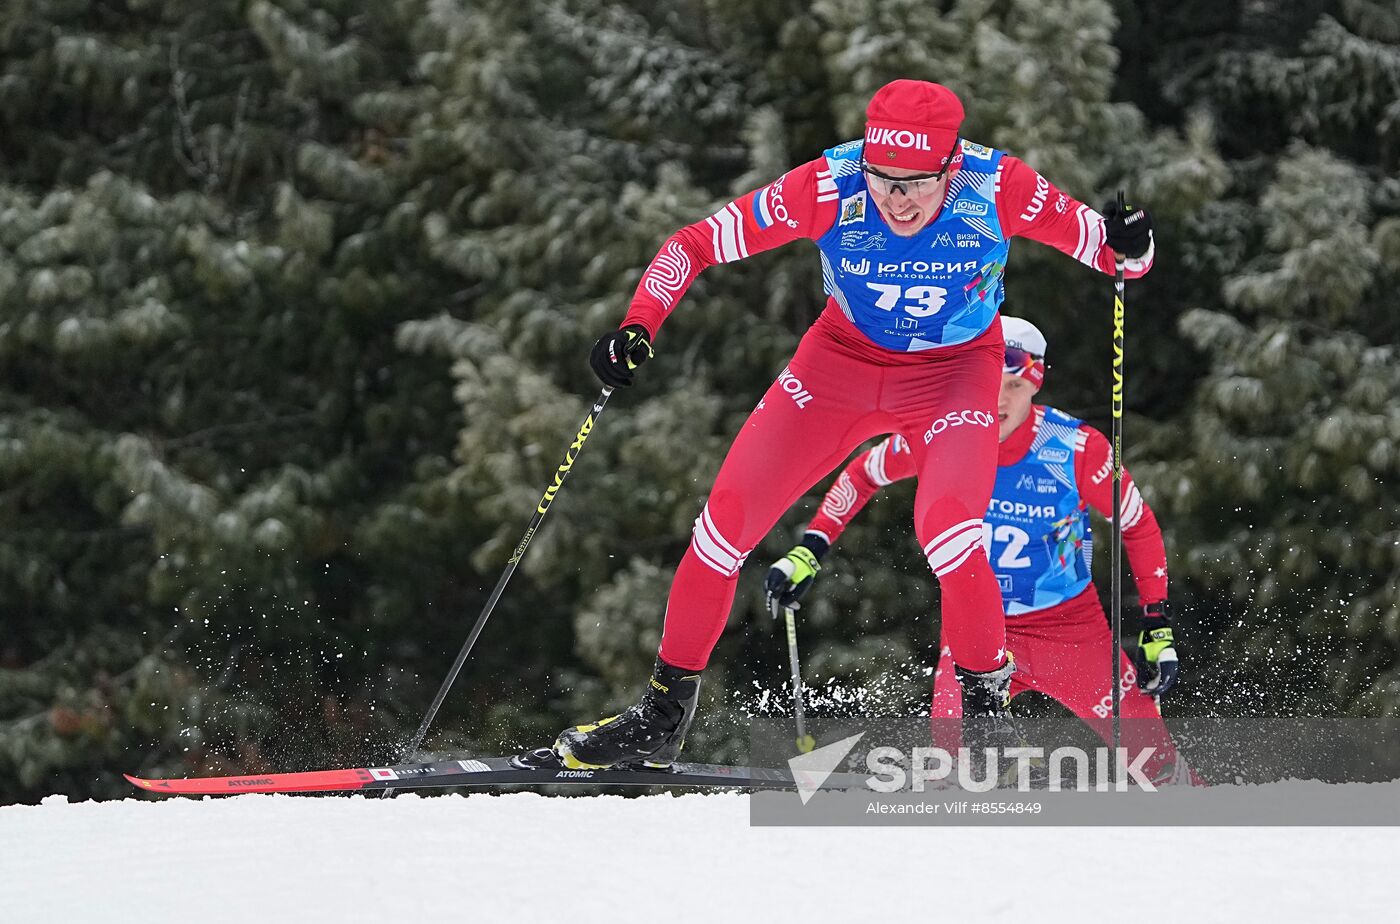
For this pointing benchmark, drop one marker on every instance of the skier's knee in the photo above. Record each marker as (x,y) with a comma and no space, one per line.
(715,549)
(952,547)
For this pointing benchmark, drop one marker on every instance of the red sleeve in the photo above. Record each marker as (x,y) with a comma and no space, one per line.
(1142,537)
(799,204)
(887,462)
(1030,206)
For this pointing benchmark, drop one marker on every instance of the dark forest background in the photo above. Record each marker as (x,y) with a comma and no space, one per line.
(296,299)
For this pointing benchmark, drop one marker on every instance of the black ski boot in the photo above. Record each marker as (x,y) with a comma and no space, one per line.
(650,733)
(986,705)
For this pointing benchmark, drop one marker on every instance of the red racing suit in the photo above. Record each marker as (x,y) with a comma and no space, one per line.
(841,388)
(1059,649)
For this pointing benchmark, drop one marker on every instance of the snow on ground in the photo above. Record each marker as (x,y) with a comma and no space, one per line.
(684,858)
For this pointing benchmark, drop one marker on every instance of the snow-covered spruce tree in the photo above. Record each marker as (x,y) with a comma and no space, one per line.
(1282,487)
(201,393)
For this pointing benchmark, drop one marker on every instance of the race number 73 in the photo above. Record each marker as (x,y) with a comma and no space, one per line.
(927,300)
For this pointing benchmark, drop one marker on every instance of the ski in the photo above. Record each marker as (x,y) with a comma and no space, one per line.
(530,768)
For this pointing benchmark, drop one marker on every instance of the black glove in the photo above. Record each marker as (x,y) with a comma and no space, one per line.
(1128,232)
(618,353)
(1157,663)
(792,576)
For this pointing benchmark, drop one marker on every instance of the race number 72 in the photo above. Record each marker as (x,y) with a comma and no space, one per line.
(1016,540)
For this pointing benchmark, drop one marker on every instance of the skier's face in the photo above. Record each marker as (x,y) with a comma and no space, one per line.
(1014,403)
(906,207)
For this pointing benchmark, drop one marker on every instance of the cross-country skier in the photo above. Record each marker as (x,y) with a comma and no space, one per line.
(913,225)
(1052,468)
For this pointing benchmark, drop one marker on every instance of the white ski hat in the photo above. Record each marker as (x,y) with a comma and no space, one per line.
(1022,334)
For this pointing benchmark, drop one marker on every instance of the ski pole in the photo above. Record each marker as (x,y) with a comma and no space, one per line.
(1116,585)
(570,456)
(805,742)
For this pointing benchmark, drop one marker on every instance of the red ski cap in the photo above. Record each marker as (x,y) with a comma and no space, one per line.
(912,124)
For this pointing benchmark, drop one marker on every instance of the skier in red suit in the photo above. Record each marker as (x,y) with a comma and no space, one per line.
(913,225)
(1051,469)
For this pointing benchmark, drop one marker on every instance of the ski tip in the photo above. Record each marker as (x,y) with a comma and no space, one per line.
(139,783)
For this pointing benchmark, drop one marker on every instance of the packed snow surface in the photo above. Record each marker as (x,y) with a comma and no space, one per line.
(681,858)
